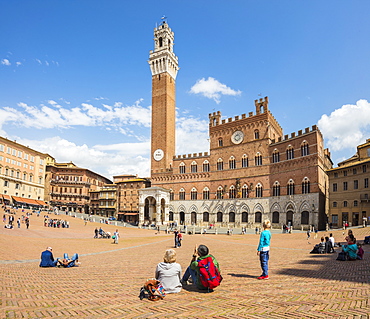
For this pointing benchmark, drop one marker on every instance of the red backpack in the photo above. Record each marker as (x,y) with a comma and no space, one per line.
(209,275)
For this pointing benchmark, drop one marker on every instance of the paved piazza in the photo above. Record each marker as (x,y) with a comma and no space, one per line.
(107,283)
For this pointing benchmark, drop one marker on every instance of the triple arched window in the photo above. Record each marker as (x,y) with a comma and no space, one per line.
(220,164)
(205,166)
(193,193)
(245,161)
(206,193)
(220,193)
(305,186)
(276,156)
(232,192)
(290,187)
(304,149)
(182,194)
(258,159)
(276,189)
(182,168)
(290,152)
(259,190)
(232,163)
(194,167)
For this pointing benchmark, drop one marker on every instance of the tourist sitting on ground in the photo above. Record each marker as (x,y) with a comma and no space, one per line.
(193,270)
(168,272)
(331,238)
(350,232)
(319,248)
(328,246)
(47,258)
(67,262)
(351,248)
(360,252)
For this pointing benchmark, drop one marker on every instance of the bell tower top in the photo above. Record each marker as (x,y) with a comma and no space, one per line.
(162,59)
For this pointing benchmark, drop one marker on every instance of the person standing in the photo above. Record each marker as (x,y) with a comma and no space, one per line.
(116,236)
(308,235)
(263,249)
(19,222)
(176,233)
(27,222)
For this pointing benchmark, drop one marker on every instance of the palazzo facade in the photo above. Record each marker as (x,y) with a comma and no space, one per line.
(251,172)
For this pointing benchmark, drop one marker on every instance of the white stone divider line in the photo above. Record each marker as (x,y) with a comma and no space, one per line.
(7,262)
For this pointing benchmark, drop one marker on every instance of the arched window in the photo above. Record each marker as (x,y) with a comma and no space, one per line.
(259,190)
(276,156)
(206,217)
(232,192)
(258,159)
(305,186)
(244,217)
(245,191)
(219,217)
(258,217)
(245,161)
(220,142)
(205,166)
(172,194)
(182,168)
(304,149)
(275,217)
(160,42)
(334,204)
(276,189)
(231,217)
(304,218)
(345,203)
(256,134)
(206,193)
(290,152)
(170,216)
(220,164)
(355,203)
(182,194)
(290,187)
(194,167)
(220,192)
(232,163)
(193,193)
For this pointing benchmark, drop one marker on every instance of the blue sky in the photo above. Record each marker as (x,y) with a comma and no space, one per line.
(75,82)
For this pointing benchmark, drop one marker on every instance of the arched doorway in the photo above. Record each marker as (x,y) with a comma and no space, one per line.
(275,217)
(258,217)
(170,216)
(289,218)
(182,218)
(193,218)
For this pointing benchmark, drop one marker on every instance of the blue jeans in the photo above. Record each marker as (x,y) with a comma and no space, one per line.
(74,258)
(190,273)
(264,259)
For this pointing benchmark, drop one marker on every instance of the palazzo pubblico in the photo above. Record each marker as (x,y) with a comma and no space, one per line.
(252,171)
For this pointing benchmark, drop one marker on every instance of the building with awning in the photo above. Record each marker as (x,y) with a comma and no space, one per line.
(28,202)
(22,172)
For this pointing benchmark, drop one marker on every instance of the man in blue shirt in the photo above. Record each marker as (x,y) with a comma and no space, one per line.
(47,259)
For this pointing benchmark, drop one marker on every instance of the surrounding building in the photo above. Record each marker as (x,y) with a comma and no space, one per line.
(68,187)
(349,189)
(128,187)
(22,173)
(252,171)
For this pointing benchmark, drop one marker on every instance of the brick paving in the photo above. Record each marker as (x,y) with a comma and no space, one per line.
(107,283)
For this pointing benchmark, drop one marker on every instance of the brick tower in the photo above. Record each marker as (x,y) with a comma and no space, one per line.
(164,66)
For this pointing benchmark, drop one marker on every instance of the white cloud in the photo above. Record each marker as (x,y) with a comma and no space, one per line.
(44,116)
(39,61)
(191,135)
(346,127)
(212,89)
(5,62)
(107,160)
(18,63)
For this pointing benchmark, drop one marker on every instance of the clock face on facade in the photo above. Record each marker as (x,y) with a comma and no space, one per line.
(237,137)
(158,154)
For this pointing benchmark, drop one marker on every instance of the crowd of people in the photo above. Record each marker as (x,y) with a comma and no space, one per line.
(55,222)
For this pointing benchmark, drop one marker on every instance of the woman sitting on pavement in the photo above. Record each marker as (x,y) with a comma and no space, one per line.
(351,247)
(168,272)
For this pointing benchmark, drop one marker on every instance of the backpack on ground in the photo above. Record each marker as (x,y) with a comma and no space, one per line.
(209,275)
(342,256)
(153,290)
